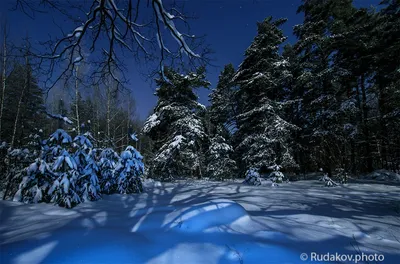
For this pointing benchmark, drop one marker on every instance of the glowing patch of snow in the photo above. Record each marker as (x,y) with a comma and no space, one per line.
(60,212)
(36,255)
(209,214)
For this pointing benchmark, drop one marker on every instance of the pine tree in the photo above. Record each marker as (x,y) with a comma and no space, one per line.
(128,172)
(175,126)
(107,164)
(23,96)
(60,175)
(322,93)
(221,124)
(37,179)
(386,86)
(263,136)
(223,107)
(64,191)
(220,165)
(88,182)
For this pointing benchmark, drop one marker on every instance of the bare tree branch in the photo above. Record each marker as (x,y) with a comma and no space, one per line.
(109,28)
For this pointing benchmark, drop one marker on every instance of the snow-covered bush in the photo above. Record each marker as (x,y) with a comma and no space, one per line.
(383,175)
(328,181)
(341,176)
(57,143)
(129,170)
(276,175)
(252,177)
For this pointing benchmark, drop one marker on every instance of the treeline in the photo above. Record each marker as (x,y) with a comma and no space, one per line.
(331,100)
(107,113)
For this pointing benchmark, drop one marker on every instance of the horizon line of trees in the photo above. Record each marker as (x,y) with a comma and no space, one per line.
(330,101)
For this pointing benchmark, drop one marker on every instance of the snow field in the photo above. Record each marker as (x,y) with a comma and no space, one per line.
(206,222)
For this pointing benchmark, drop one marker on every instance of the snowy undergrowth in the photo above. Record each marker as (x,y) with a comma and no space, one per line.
(68,172)
(206,222)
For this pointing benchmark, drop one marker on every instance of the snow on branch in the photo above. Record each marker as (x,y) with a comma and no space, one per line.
(116,23)
(59,117)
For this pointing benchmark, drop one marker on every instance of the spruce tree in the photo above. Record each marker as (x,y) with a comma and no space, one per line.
(263,135)
(128,172)
(22,86)
(387,82)
(176,127)
(221,115)
(322,92)
(223,106)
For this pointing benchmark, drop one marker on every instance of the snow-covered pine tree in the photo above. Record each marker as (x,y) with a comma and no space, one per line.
(128,172)
(324,84)
(221,114)
(276,175)
(37,179)
(262,139)
(176,127)
(252,177)
(52,177)
(64,190)
(219,163)
(85,156)
(16,161)
(222,110)
(83,146)
(107,164)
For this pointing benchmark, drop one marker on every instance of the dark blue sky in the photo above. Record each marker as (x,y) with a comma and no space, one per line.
(229,26)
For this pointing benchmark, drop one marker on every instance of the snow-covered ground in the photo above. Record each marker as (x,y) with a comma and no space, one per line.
(208,222)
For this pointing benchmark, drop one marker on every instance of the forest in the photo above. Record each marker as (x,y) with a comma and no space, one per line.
(328,102)
(125,138)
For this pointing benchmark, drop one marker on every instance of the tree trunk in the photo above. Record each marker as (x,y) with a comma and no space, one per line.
(3,80)
(26,83)
(78,121)
(108,114)
(367,144)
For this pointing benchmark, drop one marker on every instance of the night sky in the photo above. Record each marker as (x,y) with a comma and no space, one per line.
(229,26)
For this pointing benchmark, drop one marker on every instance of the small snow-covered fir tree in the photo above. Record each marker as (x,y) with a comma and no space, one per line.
(107,164)
(89,186)
(220,166)
(83,147)
(276,175)
(64,190)
(37,179)
(128,172)
(252,177)
(85,156)
(15,161)
(221,114)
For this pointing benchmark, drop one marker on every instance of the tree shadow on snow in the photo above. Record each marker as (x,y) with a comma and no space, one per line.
(148,228)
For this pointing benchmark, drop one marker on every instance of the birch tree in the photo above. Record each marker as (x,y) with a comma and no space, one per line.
(3,77)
